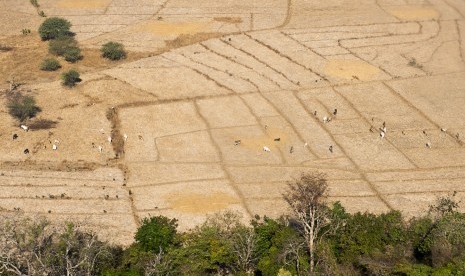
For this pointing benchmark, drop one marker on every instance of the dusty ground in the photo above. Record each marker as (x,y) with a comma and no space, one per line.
(203,74)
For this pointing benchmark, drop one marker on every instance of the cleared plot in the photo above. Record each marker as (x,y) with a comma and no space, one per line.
(420,185)
(226,112)
(217,74)
(293,72)
(378,104)
(417,204)
(159,173)
(308,127)
(370,152)
(250,61)
(150,80)
(195,197)
(440,98)
(254,174)
(189,147)
(250,150)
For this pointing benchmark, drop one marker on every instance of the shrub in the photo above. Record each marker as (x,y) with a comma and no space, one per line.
(23,107)
(72,54)
(50,64)
(60,45)
(54,27)
(70,78)
(113,51)
(34,3)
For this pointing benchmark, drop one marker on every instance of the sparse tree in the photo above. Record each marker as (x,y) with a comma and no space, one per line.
(306,197)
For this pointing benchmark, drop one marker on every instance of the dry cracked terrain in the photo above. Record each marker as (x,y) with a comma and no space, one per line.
(209,73)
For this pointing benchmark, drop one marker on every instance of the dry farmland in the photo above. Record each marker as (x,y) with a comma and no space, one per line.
(202,74)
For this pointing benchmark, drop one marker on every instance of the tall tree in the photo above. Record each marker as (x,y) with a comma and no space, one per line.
(306,197)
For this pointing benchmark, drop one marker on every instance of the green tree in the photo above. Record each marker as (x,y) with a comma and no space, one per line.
(54,27)
(113,51)
(23,107)
(156,233)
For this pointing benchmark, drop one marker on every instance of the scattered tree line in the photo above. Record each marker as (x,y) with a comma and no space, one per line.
(316,239)
(62,43)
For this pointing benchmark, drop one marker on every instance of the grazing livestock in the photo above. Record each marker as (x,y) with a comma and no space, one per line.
(26,151)
(382,134)
(291,150)
(54,147)
(25,127)
(428,145)
(335,112)
(109,139)
(277,139)
(266,149)
(331,149)
(15,136)
(237,142)
(125,136)
(100,149)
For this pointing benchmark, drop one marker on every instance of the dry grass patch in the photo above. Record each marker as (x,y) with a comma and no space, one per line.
(227,19)
(188,39)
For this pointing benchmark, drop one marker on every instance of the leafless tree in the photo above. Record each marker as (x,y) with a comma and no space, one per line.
(244,243)
(306,197)
(159,265)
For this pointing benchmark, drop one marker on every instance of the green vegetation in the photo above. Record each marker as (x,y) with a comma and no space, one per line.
(50,64)
(342,243)
(26,31)
(113,51)
(72,54)
(22,107)
(70,78)
(60,45)
(54,27)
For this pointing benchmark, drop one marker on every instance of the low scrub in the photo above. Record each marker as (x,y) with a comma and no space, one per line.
(70,78)
(60,45)
(72,54)
(113,51)
(50,64)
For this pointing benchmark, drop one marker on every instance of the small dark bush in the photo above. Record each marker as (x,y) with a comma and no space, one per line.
(23,107)
(34,3)
(72,54)
(54,27)
(113,51)
(50,64)
(60,45)
(70,78)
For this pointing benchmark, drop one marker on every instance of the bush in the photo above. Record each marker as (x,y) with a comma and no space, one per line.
(113,51)
(54,27)
(59,45)
(72,54)
(70,78)
(50,64)
(23,107)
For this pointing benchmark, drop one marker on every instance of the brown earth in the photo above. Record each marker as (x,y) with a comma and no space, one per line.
(202,75)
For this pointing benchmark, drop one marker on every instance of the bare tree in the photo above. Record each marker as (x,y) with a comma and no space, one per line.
(244,244)
(306,197)
(159,265)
